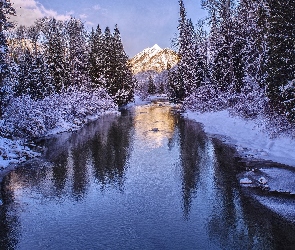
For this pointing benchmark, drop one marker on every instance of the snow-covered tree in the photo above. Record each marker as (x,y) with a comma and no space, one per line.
(77,54)
(6,10)
(117,71)
(281,55)
(55,52)
(96,59)
(151,86)
(221,42)
(182,78)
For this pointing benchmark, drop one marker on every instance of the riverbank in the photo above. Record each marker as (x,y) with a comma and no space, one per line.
(26,119)
(250,139)
(268,176)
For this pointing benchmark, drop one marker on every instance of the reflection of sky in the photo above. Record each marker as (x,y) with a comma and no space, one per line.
(148,118)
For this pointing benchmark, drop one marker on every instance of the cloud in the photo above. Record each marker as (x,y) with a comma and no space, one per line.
(27,11)
(96,7)
(83,16)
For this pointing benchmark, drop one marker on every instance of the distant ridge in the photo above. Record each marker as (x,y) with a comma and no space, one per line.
(155,59)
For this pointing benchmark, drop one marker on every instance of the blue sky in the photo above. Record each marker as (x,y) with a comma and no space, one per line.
(142,23)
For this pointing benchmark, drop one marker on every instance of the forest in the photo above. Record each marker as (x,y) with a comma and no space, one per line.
(242,58)
(244,62)
(56,72)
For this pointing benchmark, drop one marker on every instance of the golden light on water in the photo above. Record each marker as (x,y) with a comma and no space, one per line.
(154,124)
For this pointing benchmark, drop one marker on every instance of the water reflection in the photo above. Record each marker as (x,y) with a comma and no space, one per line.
(110,154)
(192,150)
(154,124)
(147,179)
(9,221)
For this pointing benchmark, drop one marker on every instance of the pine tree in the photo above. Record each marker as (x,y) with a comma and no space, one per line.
(24,74)
(96,58)
(251,29)
(6,10)
(281,55)
(181,79)
(176,87)
(151,86)
(118,75)
(55,53)
(77,55)
(187,51)
(221,41)
(201,57)
(109,71)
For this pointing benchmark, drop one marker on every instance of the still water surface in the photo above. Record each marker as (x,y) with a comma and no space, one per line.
(147,179)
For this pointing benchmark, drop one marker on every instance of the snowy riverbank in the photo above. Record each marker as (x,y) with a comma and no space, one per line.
(250,139)
(271,185)
(26,118)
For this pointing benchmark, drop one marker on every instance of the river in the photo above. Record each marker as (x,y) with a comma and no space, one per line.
(145,179)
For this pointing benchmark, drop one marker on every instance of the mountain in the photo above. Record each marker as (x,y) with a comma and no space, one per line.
(154,58)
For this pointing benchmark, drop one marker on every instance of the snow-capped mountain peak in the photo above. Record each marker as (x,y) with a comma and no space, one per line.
(156,47)
(154,58)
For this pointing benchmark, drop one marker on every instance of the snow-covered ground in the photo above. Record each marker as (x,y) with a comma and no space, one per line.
(14,151)
(271,185)
(26,118)
(250,139)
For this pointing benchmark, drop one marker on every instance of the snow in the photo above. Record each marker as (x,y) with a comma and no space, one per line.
(14,151)
(26,118)
(245,181)
(250,139)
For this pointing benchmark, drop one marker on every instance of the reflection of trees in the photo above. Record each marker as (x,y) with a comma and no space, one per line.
(226,223)
(229,224)
(8,229)
(59,172)
(9,221)
(192,149)
(110,154)
(101,149)
(79,156)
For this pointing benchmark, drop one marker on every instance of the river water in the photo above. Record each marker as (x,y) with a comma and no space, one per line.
(145,179)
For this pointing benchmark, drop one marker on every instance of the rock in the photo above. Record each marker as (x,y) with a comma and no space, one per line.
(155,130)
(262,181)
(245,181)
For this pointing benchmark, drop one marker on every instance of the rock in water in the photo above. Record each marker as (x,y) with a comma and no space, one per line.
(262,180)
(245,181)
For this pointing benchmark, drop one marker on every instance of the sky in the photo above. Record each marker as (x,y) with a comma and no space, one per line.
(142,23)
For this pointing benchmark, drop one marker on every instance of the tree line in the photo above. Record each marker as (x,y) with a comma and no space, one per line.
(250,46)
(55,56)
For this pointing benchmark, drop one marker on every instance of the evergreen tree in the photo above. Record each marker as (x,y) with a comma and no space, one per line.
(181,79)
(281,55)
(55,53)
(201,57)
(109,70)
(24,73)
(124,79)
(176,87)
(151,86)
(96,58)
(187,51)
(251,29)
(118,75)
(77,55)
(6,10)
(221,41)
